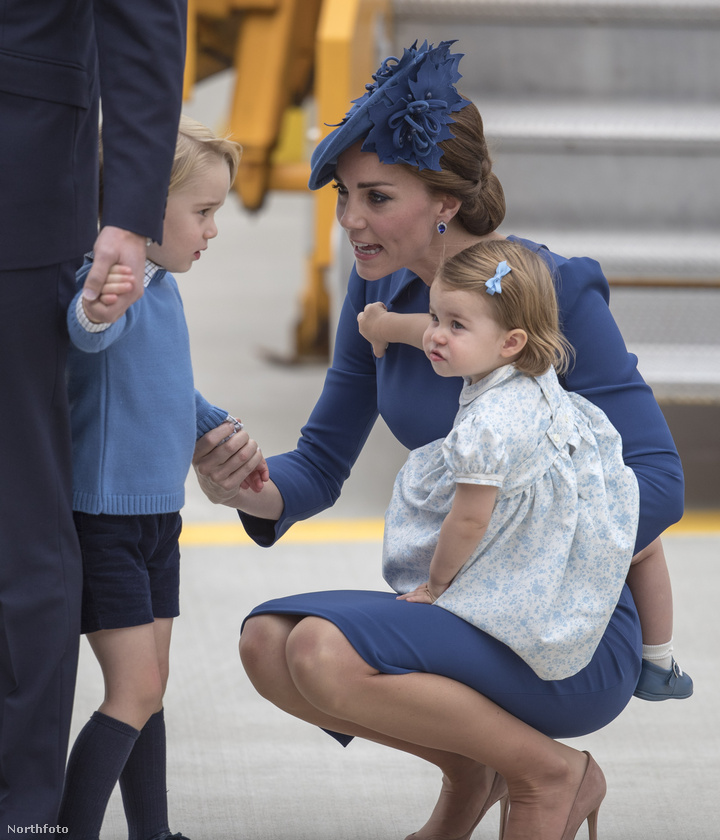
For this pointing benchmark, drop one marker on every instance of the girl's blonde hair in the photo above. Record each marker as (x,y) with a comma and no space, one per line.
(197,146)
(527,300)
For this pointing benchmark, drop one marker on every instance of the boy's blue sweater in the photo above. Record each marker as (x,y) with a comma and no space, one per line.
(134,410)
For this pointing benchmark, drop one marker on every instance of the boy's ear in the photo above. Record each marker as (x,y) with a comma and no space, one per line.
(514,342)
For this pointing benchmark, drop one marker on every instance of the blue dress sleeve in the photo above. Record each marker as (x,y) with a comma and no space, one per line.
(310,478)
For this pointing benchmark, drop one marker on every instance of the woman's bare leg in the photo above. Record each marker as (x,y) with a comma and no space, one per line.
(423,714)
(466,782)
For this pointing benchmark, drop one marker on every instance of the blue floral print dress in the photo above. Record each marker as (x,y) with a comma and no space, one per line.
(548,573)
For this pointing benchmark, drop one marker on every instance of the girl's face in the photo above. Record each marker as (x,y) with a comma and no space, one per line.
(190,218)
(389,216)
(463,339)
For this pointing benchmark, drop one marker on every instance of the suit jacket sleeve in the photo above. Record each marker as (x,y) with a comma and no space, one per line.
(141,55)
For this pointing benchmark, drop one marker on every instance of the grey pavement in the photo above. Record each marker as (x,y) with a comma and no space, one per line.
(238,769)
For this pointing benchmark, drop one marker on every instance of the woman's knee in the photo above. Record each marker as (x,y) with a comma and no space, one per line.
(262,643)
(324,665)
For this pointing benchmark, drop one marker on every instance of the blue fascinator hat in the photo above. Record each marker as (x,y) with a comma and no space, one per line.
(403,115)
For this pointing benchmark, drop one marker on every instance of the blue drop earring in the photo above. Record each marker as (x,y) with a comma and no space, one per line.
(441,228)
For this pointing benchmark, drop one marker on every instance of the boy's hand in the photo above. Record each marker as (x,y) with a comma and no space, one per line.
(115,296)
(369,325)
(115,246)
(256,480)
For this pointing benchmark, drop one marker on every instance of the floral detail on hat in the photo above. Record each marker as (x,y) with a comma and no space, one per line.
(412,114)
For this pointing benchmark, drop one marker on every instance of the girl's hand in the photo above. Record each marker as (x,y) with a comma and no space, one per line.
(369,325)
(422,595)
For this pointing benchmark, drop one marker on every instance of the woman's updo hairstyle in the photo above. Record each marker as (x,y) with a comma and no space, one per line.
(467,174)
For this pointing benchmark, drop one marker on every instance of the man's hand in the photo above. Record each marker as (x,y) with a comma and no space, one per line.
(112,247)
(118,286)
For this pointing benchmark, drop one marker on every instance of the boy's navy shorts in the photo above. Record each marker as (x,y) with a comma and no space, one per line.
(131,569)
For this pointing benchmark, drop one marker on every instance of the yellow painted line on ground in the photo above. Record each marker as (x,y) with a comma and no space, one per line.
(312,531)
(694,523)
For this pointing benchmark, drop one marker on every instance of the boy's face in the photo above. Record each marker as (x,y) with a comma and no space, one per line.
(190,218)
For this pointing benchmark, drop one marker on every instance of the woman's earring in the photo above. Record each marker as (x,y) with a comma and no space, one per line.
(441,227)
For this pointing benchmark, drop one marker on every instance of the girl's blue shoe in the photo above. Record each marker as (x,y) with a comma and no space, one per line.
(658,683)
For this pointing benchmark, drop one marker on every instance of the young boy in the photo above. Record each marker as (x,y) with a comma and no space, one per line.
(135,418)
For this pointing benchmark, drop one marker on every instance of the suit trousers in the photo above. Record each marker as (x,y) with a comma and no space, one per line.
(40,564)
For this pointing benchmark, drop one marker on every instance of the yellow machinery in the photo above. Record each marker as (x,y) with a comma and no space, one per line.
(283,52)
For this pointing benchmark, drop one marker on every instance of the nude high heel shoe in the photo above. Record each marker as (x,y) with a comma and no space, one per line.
(587,802)
(498,793)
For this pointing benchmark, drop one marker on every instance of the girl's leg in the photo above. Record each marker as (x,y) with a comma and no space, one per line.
(143,779)
(649,582)
(133,691)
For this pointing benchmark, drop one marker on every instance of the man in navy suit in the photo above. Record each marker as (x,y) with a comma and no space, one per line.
(57,59)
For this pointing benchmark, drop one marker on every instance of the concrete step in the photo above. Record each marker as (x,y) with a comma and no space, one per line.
(602,116)
(657,49)
(570,163)
(662,256)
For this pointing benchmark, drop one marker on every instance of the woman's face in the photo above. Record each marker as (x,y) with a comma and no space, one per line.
(389,215)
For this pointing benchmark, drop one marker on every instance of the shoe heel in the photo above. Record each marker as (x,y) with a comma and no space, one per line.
(504,808)
(592,822)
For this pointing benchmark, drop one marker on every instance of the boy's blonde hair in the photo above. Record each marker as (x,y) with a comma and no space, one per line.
(527,300)
(196,146)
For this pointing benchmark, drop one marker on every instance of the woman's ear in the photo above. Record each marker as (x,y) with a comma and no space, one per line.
(514,342)
(450,206)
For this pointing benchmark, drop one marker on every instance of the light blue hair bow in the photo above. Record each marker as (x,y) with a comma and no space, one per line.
(493,285)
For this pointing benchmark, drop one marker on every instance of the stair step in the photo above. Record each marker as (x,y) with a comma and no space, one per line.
(579,165)
(594,49)
(653,12)
(648,256)
(684,127)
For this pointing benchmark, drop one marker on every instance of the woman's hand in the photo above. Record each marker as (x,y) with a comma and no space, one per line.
(227,465)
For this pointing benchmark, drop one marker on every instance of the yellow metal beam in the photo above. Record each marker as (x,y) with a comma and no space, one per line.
(345,59)
(279,45)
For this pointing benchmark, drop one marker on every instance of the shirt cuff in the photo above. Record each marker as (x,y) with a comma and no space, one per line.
(85,322)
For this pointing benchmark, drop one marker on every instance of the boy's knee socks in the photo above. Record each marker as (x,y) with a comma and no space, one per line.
(95,764)
(143,783)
